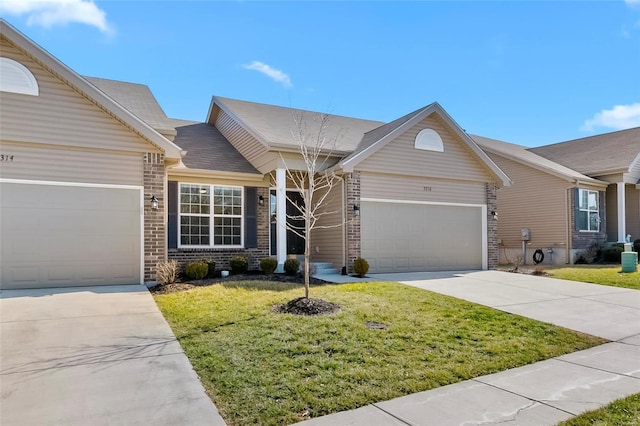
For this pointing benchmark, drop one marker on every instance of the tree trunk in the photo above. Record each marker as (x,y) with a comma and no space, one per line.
(307,249)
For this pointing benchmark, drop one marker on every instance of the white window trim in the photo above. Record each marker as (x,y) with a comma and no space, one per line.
(23,82)
(591,231)
(211,216)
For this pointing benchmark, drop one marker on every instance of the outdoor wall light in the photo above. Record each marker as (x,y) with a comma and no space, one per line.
(154,202)
(261,200)
(356,210)
(494,214)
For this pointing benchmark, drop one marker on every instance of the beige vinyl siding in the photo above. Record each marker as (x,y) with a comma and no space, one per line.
(397,187)
(400,156)
(60,115)
(329,240)
(55,163)
(634,170)
(254,151)
(535,200)
(611,207)
(633,211)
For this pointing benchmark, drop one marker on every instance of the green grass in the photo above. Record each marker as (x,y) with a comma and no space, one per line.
(607,275)
(623,412)
(265,368)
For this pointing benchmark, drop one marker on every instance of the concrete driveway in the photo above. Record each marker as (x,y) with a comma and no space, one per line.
(94,356)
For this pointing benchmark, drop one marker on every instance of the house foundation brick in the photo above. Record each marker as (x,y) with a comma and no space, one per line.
(154,221)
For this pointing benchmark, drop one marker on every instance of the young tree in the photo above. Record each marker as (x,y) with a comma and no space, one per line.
(314,180)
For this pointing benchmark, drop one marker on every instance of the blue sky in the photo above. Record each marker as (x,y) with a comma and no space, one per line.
(531,73)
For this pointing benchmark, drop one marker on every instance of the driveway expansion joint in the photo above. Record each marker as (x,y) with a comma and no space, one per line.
(393,415)
(596,368)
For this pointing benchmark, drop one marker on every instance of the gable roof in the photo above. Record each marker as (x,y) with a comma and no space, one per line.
(139,100)
(208,149)
(521,155)
(274,126)
(613,152)
(80,84)
(378,138)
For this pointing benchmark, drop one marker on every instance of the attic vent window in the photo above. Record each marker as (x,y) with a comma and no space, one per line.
(429,140)
(16,78)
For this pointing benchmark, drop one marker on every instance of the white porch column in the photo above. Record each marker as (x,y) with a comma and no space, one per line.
(281,217)
(622,226)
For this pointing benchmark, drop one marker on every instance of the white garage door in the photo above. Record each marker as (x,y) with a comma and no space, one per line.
(400,237)
(61,236)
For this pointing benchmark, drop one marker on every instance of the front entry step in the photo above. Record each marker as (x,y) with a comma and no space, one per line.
(324,268)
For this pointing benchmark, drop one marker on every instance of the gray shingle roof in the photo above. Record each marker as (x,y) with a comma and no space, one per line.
(138,99)
(276,125)
(595,155)
(521,154)
(208,149)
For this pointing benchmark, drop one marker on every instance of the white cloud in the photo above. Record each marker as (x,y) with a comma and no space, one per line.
(48,13)
(619,117)
(632,3)
(272,73)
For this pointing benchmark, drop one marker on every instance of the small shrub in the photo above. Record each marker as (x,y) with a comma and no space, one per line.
(360,267)
(612,253)
(291,266)
(268,265)
(590,254)
(167,272)
(538,270)
(518,260)
(196,270)
(239,265)
(212,267)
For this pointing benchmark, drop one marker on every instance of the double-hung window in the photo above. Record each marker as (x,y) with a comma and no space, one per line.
(210,215)
(588,213)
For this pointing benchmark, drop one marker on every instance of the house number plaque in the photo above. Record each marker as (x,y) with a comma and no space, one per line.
(426,188)
(6,158)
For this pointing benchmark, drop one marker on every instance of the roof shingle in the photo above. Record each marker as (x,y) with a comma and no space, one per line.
(595,155)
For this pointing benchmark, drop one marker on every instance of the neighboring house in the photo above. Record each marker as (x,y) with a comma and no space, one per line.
(97,185)
(568,195)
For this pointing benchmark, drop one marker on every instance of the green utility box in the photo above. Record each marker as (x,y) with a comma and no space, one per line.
(629,261)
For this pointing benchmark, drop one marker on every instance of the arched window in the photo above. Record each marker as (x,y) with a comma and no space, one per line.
(429,140)
(16,78)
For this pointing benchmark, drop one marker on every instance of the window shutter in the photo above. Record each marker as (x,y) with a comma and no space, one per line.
(172,210)
(250,217)
(576,207)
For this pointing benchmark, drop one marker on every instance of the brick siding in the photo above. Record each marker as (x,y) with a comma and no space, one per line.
(493,250)
(154,220)
(353,220)
(582,240)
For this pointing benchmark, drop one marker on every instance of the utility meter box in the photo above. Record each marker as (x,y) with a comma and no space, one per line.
(526,234)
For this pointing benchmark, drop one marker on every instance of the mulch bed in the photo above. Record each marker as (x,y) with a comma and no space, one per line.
(250,276)
(307,306)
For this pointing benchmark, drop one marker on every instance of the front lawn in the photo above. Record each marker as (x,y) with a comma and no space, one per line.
(623,412)
(266,368)
(607,275)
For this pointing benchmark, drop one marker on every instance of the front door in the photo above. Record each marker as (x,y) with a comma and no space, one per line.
(295,243)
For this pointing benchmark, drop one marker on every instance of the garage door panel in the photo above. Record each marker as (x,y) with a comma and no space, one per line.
(73,235)
(419,237)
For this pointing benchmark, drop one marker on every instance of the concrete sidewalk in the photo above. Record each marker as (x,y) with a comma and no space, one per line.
(543,393)
(94,356)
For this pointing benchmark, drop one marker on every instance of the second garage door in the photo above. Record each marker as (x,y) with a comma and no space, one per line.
(398,237)
(69,235)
